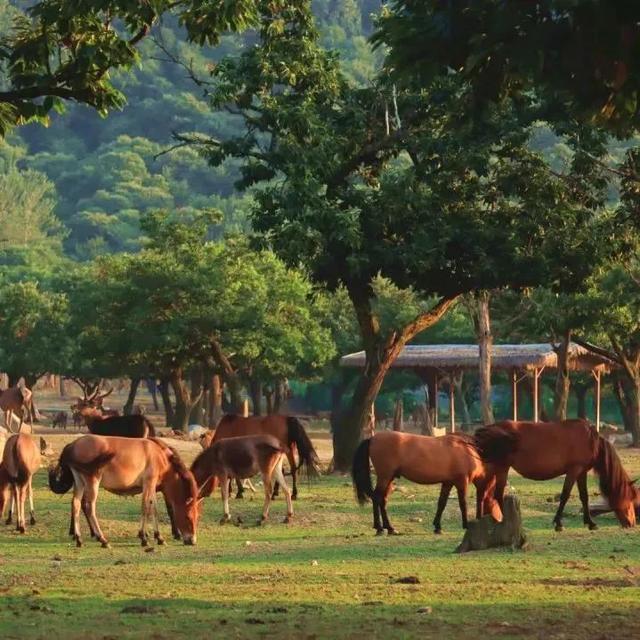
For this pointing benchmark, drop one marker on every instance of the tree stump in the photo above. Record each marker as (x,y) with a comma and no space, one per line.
(488,533)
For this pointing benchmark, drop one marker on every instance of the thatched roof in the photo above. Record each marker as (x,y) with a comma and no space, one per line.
(503,356)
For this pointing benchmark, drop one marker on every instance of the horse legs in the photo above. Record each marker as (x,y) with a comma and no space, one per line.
(91,490)
(76,503)
(445,490)
(239,489)
(285,488)
(461,488)
(12,506)
(584,498)
(224,490)
(19,493)
(500,484)
(156,524)
(148,508)
(174,530)
(32,513)
(267,480)
(569,481)
(383,497)
(294,474)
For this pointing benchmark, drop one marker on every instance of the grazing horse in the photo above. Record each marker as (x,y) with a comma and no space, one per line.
(545,450)
(450,460)
(205,441)
(134,426)
(288,430)
(243,457)
(20,460)
(127,466)
(16,400)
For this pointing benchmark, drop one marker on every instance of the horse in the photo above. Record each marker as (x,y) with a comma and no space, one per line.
(20,460)
(288,430)
(60,420)
(450,460)
(205,441)
(243,457)
(127,466)
(16,400)
(133,426)
(546,450)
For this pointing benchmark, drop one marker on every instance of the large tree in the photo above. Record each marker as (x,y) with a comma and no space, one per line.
(583,53)
(361,182)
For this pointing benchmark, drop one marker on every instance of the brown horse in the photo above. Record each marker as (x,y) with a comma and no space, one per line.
(242,457)
(545,450)
(20,460)
(286,429)
(127,466)
(133,426)
(450,460)
(16,400)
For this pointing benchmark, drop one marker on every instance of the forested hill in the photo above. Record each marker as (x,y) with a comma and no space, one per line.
(104,173)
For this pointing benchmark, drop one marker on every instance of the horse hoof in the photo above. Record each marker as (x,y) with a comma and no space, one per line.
(160,541)
(32,521)
(78,542)
(592,526)
(294,496)
(20,528)
(379,532)
(105,545)
(239,496)
(393,532)
(144,542)
(287,519)
(438,531)
(8,520)
(177,536)
(224,520)
(559,527)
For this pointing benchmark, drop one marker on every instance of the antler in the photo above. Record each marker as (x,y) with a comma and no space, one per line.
(97,398)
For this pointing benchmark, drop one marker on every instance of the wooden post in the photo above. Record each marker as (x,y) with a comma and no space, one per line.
(245,408)
(435,401)
(514,394)
(452,406)
(535,395)
(597,375)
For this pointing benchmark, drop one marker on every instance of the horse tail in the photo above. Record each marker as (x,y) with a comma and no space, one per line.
(361,472)
(306,451)
(615,484)
(60,476)
(151,430)
(496,442)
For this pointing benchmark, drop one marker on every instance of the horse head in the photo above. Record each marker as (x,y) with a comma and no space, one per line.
(182,491)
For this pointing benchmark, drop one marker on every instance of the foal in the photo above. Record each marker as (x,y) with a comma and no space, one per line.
(242,458)
(450,460)
(20,460)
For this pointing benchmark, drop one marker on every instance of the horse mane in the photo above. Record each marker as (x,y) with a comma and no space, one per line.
(615,483)
(178,465)
(496,442)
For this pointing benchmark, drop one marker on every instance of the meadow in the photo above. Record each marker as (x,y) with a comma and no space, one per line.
(323,576)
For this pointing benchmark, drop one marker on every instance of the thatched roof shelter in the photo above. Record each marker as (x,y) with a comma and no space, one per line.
(432,362)
(523,357)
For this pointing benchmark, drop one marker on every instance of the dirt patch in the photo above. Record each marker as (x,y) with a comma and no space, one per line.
(612,583)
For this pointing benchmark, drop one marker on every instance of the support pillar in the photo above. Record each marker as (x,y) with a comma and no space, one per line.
(597,374)
(536,380)
(452,407)
(514,394)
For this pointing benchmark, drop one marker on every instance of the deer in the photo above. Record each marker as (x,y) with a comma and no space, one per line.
(16,400)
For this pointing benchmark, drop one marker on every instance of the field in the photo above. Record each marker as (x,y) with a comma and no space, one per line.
(324,576)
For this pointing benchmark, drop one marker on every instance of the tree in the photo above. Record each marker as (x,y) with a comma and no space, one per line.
(582,53)
(359,182)
(59,51)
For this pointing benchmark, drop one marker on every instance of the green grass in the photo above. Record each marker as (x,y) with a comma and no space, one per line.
(324,576)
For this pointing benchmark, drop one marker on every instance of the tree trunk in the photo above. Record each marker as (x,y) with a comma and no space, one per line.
(185,400)
(131,398)
(152,388)
(563,382)
(216,400)
(230,375)
(255,391)
(485,341)
(62,387)
(635,413)
(398,415)
(197,391)
(169,412)
(458,383)
(268,394)
(33,413)
(581,390)
(280,397)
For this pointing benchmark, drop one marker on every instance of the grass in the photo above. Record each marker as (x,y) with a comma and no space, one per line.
(324,576)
